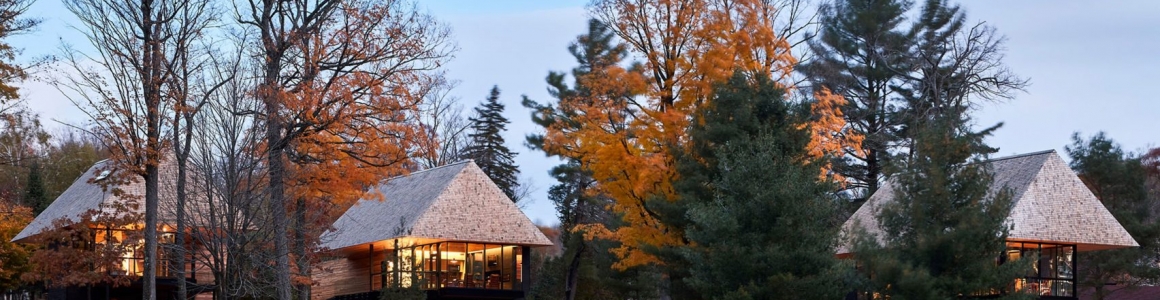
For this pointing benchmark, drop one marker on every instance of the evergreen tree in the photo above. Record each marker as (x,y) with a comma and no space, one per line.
(862,55)
(1120,182)
(35,195)
(943,232)
(896,78)
(759,223)
(487,146)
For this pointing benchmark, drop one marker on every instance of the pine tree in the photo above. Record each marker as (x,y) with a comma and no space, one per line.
(35,195)
(1119,180)
(488,149)
(760,224)
(862,55)
(943,233)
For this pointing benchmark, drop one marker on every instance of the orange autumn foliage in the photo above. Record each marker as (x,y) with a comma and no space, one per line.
(92,250)
(623,139)
(14,257)
(830,136)
(348,119)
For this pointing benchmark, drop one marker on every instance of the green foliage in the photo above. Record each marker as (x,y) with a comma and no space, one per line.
(897,73)
(71,154)
(35,195)
(758,221)
(487,145)
(943,232)
(1120,181)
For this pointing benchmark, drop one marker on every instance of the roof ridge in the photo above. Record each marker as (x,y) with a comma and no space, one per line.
(1020,155)
(429,169)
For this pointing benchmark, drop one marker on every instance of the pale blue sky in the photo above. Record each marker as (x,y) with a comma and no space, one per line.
(1092,67)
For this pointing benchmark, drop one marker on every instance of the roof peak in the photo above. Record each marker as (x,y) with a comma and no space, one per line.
(429,169)
(1020,155)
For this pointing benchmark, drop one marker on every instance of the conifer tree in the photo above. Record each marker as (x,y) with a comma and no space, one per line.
(759,222)
(862,55)
(487,145)
(35,195)
(943,232)
(1119,180)
(896,72)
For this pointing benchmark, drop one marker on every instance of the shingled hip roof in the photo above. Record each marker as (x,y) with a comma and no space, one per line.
(456,202)
(89,193)
(1052,205)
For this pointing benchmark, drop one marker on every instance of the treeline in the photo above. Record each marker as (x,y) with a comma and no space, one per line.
(713,149)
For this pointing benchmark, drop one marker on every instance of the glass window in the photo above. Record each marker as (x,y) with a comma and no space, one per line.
(1052,274)
(460,265)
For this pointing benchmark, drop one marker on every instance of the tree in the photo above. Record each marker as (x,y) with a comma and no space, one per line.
(955,66)
(686,46)
(749,191)
(487,146)
(1119,180)
(22,144)
(943,231)
(583,270)
(233,183)
(862,55)
(34,192)
(14,257)
(70,153)
(445,128)
(337,106)
(12,23)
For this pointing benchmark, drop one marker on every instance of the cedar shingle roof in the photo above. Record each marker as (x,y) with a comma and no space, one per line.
(454,202)
(1051,205)
(83,195)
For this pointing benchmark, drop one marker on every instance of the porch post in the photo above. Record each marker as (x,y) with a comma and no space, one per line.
(371,268)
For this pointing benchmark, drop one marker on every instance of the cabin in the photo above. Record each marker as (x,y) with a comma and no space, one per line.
(449,231)
(96,193)
(1054,216)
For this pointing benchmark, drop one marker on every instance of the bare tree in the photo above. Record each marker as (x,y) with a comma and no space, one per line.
(230,178)
(125,88)
(199,71)
(445,127)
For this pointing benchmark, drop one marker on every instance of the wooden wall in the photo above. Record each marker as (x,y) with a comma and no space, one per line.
(347,272)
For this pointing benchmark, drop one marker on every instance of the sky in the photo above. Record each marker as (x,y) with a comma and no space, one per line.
(1092,67)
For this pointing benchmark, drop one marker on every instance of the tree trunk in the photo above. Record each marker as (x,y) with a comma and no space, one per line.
(179,240)
(574,273)
(149,282)
(300,247)
(271,90)
(276,190)
(151,81)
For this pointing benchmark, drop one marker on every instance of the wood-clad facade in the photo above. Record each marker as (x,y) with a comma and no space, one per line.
(447,230)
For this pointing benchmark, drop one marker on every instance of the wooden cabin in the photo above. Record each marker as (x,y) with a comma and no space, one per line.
(1055,216)
(449,231)
(94,194)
